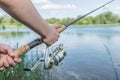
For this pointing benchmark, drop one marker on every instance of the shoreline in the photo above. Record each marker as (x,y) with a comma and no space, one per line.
(91,25)
(97,25)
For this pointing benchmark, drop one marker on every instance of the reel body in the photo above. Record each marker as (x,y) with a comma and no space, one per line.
(50,58)
(55,58)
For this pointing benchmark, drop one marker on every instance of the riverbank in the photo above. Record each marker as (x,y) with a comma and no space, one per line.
(97,25)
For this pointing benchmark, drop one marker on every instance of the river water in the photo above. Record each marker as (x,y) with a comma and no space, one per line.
(87,56)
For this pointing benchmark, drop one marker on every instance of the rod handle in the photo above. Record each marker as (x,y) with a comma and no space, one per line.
(22,50)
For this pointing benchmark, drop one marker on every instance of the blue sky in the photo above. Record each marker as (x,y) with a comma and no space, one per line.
(73,8)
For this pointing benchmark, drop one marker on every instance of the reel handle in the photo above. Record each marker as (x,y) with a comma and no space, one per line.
(25,48)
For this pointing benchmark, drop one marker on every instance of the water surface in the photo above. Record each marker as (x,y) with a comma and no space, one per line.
(87,57)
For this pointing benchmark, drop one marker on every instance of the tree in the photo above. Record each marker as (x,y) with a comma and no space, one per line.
(1,19)
(53,21)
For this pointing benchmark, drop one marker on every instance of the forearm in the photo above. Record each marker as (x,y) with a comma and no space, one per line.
(24,11)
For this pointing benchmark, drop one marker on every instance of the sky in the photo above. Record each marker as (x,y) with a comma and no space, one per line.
(73,8)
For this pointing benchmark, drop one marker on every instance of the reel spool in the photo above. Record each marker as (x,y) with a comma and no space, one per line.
(55,58)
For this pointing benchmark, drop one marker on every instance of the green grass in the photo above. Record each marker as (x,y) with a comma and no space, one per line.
(17,73)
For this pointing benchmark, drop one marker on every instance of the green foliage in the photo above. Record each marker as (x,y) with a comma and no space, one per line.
(107,18)
(1,19)
(103,18)
(53,21)
(7,21)
(17,73)
(66,20)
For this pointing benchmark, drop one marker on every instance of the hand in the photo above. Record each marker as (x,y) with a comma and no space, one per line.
(53,35)
(9,60)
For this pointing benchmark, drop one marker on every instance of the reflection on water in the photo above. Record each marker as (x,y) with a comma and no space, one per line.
(87,57)
(8,35)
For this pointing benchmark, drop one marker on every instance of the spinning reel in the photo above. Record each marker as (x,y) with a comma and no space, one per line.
(50,58)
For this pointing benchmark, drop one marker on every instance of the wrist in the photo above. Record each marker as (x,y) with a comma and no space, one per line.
(46,31)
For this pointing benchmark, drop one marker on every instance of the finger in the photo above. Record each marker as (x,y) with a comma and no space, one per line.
(60,28)
(1,69)
(5,63)
(10,61)
(17,60)
(9,51)
(48,43)
(57,26)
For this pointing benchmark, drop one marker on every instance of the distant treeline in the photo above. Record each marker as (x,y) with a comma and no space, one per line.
(101,19)
(7,21)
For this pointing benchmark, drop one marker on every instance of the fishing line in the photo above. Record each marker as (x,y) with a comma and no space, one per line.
(112,63)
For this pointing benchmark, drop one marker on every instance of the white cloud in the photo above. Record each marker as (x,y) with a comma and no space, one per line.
(46,4)
(58,6)
(2,12)
(41,1)
(117,10)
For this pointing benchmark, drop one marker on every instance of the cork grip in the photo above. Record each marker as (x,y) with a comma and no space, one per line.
(22,50)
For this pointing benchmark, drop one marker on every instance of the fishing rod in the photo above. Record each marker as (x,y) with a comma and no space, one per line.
(57,57)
